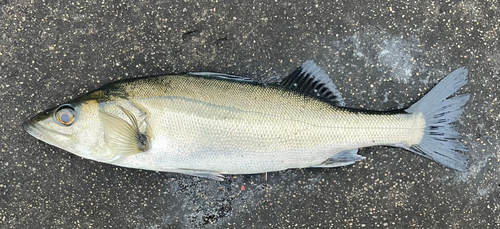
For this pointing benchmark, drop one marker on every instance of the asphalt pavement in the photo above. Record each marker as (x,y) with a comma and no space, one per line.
(382,55)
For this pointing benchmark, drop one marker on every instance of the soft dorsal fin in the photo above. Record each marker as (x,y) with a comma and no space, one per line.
(222,76)
(311,80)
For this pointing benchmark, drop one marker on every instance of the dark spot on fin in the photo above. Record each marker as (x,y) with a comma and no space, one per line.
(124,138)
(347,157)
(222,76)
(311,80)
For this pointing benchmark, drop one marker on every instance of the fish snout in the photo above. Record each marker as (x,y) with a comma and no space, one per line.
(27,126)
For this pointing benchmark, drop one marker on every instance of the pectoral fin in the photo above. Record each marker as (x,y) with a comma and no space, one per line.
(124,138)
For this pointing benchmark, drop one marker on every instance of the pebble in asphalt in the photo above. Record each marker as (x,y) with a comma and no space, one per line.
(382,55)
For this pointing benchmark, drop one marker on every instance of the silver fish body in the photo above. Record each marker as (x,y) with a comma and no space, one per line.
(220,124)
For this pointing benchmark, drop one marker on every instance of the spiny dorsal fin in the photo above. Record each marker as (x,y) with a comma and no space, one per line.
(311,80)
(222,76)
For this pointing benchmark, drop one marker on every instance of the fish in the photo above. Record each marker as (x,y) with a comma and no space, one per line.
(209,124)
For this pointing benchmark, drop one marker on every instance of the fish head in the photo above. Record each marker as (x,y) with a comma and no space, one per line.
(74,127)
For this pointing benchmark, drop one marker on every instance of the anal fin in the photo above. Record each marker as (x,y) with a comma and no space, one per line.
(347,157)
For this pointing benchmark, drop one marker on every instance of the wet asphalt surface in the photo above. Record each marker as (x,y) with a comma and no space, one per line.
(380,55)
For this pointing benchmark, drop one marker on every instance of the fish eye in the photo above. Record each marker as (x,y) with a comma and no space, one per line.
(65,114)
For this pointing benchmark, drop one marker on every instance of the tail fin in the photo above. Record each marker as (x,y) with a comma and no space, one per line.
(439,142)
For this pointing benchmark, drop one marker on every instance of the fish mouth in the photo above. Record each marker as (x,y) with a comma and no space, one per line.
(43,133)
(28,127)
(34,131)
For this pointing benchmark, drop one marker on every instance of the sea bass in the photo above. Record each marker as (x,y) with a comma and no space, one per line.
(208,124)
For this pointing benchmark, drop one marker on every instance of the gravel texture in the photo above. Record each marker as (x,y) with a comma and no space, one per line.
(381,54)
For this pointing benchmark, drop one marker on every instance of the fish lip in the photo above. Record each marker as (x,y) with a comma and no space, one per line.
(28,127)
(32,129)
(43,134)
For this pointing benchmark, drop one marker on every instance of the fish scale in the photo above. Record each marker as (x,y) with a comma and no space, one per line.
(294,133)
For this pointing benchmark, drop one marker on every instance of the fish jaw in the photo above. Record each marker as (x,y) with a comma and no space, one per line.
(36,128)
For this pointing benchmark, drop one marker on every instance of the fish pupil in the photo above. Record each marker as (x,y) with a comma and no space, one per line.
(65,118)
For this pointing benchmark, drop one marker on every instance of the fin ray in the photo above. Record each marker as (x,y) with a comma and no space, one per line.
(222,76)
(197,173)
(439,142)
(311,80)
(347,157)
(124,138)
